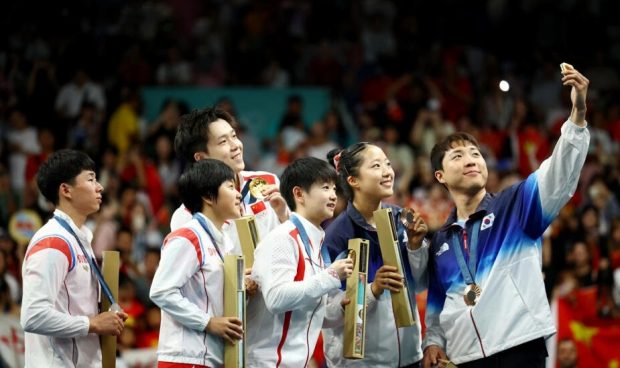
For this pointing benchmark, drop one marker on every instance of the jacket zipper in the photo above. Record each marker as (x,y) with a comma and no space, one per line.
(477,333)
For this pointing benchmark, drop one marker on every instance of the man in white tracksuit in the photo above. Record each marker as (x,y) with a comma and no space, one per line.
(210,133)
(60,313)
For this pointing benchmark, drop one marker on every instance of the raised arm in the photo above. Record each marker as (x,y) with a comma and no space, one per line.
(556,179)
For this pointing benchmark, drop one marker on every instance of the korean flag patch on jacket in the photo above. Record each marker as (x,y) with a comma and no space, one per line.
(487,221)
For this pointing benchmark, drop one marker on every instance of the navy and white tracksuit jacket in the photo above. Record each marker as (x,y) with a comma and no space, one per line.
(385,346)
(512,308)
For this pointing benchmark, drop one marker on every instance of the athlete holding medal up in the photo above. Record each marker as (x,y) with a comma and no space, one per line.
(487,305)
(210,133)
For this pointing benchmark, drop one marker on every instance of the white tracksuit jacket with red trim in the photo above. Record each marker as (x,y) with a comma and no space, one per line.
(265,217)
(286,317)
(189,288)
(60,294)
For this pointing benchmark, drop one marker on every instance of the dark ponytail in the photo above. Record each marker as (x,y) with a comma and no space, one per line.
(347,163)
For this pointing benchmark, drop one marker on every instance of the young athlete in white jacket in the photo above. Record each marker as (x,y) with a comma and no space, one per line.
(294,280)
(60,314)
(210,133)
(189,283)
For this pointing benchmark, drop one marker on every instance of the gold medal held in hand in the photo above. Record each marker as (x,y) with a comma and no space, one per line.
(472,293)
(256,187)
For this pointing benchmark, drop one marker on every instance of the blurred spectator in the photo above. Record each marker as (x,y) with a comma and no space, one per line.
(168,167)
(167,122)
(9,199)
(567,354)
(149,336)
(23,141)
(613,244)
(42,89)
(12,284)
(579,259)
(402,160)
(79,90)
(134,69)
(428,128)
(8,306)
(175,70)
(129,302)
(318,141)
(275,75)
(85,133)
(324,68)
(454,88)
(336,131)
(147,270)
(124,126)
(31,193)
(545,90)
(377,37)
(143,174)
(251,148)
(605,202)
(292,129)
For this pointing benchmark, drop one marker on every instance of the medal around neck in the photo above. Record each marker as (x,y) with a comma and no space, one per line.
(256,187)
(472,294)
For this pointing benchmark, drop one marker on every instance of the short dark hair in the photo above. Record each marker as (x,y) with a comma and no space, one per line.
(454,139)
(347,162)
(303,173)
(193,132)
(203,180)
(62,166)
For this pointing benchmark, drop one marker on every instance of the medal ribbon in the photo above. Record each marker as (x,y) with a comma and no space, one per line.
(246,190)
(204,225)
(306,240)
(91,261)
(468,269)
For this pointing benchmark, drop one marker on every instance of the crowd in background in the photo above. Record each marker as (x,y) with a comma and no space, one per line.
(399,76)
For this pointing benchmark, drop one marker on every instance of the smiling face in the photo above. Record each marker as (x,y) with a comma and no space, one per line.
(84,193)
(228,203)
(224,145)
(376,175)
(464,169)
(317,204)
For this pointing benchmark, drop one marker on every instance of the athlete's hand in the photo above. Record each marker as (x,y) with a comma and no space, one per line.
(433,355)
(344,267)
(416,231)
(228,328)
(251,287)
(386,278)
(277,202)
(107,323)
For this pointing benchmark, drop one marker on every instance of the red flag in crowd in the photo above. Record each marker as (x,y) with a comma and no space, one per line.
(597,339)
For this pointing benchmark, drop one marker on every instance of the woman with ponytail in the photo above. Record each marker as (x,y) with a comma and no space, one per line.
(367,178)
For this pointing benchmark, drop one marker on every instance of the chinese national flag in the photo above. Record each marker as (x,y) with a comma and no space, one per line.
(597,339)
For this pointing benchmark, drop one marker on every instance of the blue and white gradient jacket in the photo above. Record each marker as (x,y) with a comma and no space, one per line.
(512,308)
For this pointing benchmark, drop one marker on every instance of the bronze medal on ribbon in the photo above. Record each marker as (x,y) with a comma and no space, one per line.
(256,187)
(471,295)
(406,217)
